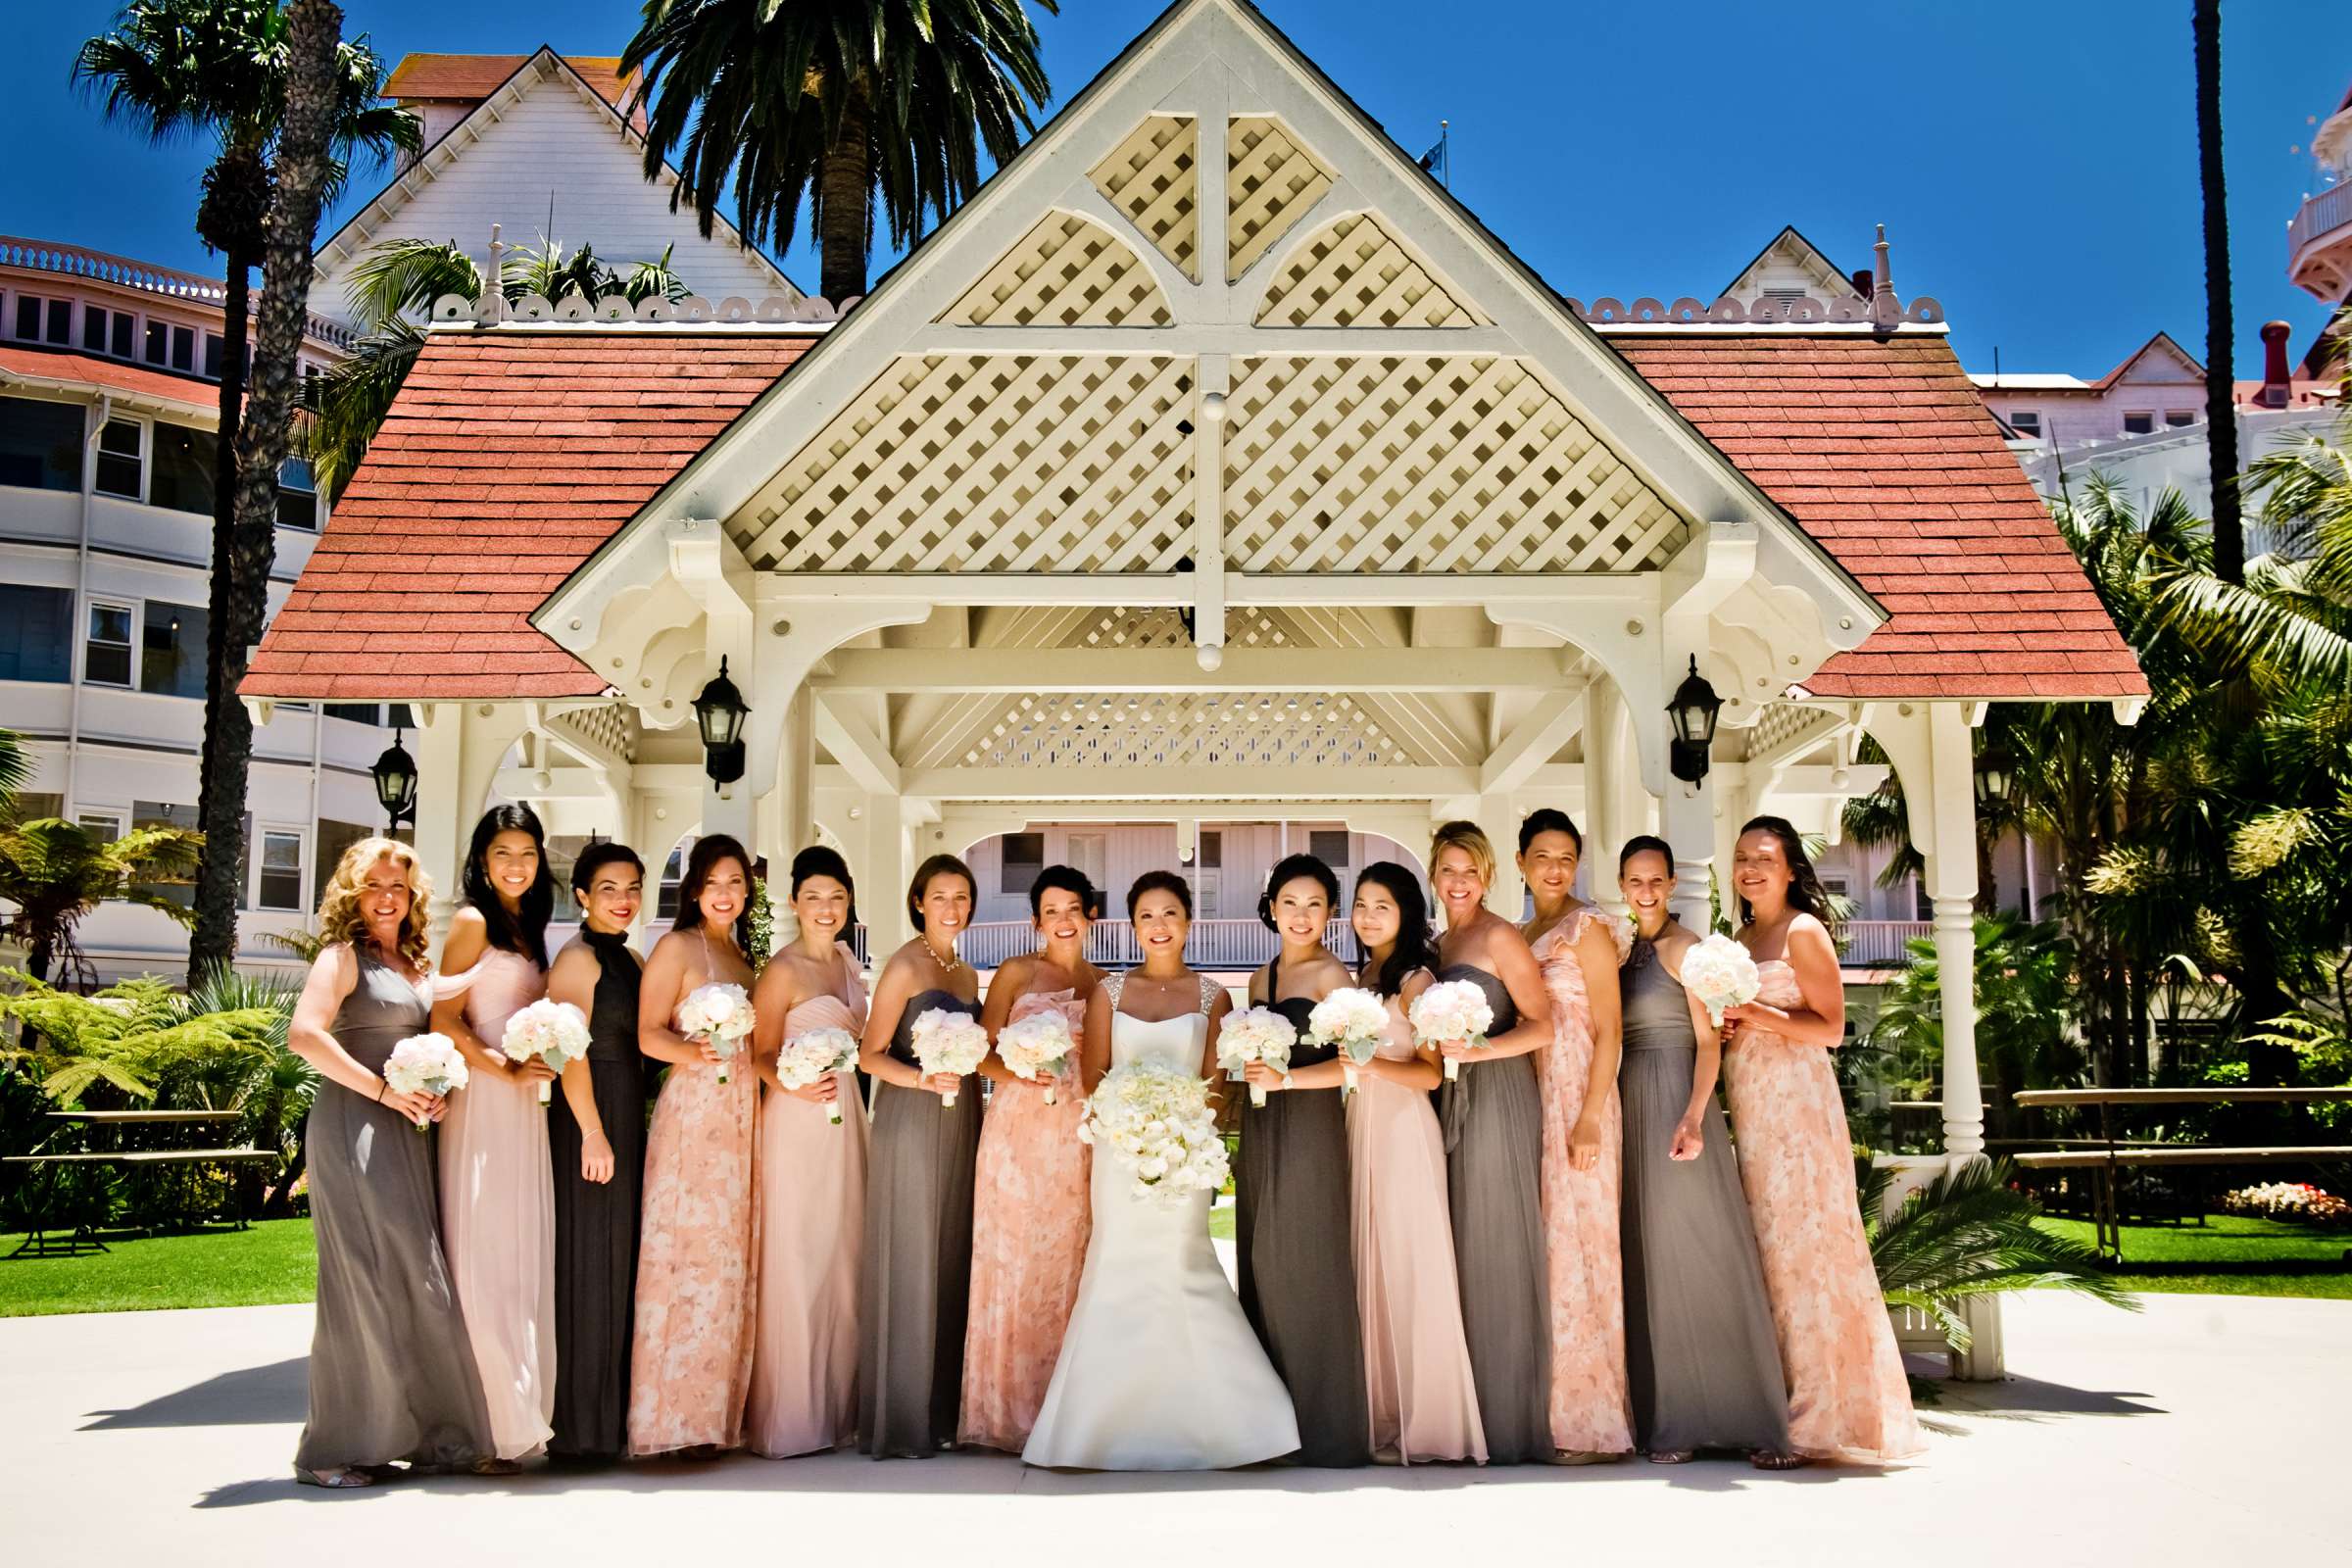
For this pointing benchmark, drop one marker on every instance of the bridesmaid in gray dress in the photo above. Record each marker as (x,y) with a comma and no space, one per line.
(1703,1362)
(1492,1116)
(392,1373)
(914,1278)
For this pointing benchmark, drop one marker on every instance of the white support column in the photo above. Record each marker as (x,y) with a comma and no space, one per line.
(1686,815)
(459,747)
(881,871)
(1498,817)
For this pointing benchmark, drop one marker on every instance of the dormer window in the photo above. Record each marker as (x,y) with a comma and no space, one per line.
(2026,422)
(2139,423)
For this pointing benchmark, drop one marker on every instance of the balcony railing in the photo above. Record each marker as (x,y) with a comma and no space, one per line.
(103,267)
(2324,214)
(1881,944)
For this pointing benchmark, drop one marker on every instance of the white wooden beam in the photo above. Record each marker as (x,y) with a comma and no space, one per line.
(1018,672)
(1212,380)
(1232,337)
(1533,741)
(856,747)
(1587,591)
(1286,785)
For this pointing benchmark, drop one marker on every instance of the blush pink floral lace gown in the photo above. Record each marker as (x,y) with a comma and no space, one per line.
(1848,1396)
(1031,1220)
(498,1215)
(1590,1412)
(690,1368)
(811,1229)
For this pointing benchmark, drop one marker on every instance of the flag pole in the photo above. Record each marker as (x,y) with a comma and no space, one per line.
(1445,151)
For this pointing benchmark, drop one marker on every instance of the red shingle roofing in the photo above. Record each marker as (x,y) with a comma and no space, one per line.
(470,78)
(508,458)
(66,368)
(1882,451)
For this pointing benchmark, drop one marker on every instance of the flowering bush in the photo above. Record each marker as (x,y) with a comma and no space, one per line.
(2298,1203)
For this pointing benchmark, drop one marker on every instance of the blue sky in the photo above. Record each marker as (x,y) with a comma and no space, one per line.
(2036,168)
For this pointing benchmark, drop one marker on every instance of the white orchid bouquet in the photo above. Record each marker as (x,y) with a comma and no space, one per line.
(948,1040)
(1721,974)
(426,1064)
(1158,1126)
(1255,1034)
(1038,1048)
(1352,1020)
(720,1013)
(554,1032)
(810,1055)
(1452,1010)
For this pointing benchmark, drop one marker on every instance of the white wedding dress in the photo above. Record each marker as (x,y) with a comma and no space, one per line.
(1160,1370)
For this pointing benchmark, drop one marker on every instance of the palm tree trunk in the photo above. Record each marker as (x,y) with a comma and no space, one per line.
(314,29)
(2221,385)
(212,945)
(845,193)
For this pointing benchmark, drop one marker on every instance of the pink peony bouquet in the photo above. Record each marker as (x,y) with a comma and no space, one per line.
(720,1013)
(1038,1048)
(1721,974)
(554,1032)
(1452,1010)
(948,1040)
(426,1064)
(810,1055)
(1352,1020)
(1255,1034)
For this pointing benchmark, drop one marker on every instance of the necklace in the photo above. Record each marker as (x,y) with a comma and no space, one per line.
(947,964)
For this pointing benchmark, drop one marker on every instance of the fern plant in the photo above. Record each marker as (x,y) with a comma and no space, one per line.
(132,1036)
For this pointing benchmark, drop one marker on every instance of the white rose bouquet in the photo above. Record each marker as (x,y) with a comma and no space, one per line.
(948,1040)
(1719,972)
(810,1055)
(1452,1010)
(1038,1048)
(1352,1020)
(1158,1126)
(426,1064)
(1255,1034)
(720,1013)
(554,1032)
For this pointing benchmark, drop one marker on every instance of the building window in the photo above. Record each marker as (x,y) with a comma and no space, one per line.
(163,814)
(296,496)
(36,624)
(334,839)
(40,320)
(171,650)
(2178,419)
(1330,846)
(2138,424)
(214,348)
(41,444)
(106,655)
(1022,859)
(120,460)
(280,885)
(1922,907)
(184,348)
(2026,422)
(34,805)
(1211,852)
(103,826)
(184,468)
(159,342)
(673,874)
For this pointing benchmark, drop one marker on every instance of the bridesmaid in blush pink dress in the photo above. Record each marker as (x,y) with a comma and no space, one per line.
(1031,1216)
(497,1199)
(1424,1403)
(812,1182)
(1579,948)
(690,1366)
(1848,1396)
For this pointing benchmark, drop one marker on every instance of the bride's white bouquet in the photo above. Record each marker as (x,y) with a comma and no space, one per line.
(1721,974)
(1038,1048)
(948,1040)
(1255,1034)
(555,1032)
(810,1055)
(1158,1126)
(426,1064)
(1452,1010)
(720,1013)
(1352,1020)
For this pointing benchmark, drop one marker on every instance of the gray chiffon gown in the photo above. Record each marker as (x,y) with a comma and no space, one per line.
(1492,1117)
(1294,1240)
(392,1373)
(915,1280)
(1702,1365)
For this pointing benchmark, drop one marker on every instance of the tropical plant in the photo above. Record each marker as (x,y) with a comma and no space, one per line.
(130,1035)
(836,103)
(2220,384)
(1967,1234)
(56,873)
(16,770)
(272,1090)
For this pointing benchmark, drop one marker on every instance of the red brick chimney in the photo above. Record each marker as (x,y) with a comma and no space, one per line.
(2276,383)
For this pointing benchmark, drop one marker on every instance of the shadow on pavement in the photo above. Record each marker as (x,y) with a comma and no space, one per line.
(254,1395)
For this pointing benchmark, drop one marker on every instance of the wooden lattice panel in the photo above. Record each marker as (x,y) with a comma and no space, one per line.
(1784,723)
(1354,272)
(969,462)
(612,727)
(1420,463)
(1067,271)
(1154,177)
(1271,181)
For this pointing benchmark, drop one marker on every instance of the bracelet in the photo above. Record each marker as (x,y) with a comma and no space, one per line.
(381,1090)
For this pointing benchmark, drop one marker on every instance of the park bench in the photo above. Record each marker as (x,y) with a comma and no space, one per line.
(121,1124)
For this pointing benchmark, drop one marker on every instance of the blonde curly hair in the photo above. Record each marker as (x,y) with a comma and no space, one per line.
(339,916)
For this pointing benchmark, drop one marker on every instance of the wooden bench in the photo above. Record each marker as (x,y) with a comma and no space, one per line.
(121,1124)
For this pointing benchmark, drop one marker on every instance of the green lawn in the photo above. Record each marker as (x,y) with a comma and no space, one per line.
(2229,1256)
(274,1261)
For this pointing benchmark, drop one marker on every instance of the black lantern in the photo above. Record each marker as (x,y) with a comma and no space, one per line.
(1692,711)
(395,774)
(719,712)
(1993,776)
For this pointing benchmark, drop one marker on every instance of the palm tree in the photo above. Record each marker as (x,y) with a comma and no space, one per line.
(217,70)
(836,103)
(16,769)
(56,873)
(2220,381)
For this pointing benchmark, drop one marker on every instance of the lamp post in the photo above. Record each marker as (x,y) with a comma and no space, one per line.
(719,712)
(395,774)
(1692,711)
(1993,777)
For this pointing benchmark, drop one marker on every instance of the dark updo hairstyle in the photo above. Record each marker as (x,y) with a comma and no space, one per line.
(1806,895)
(1160,882)
(1297,868)
(594,858)
(1416,946)
(1642,844)
(701,861)
(1545,819)
(525,929)
(937,865)
(1069,879)
(820,860)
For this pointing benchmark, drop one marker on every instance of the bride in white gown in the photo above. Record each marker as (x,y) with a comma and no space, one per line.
(1159,1369)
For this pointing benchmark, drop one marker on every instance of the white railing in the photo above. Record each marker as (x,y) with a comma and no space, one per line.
(2324,214)
(104,267)
(1881,944)
(1219,945)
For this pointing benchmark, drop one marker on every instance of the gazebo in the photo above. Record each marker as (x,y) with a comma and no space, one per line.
(1210,461)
